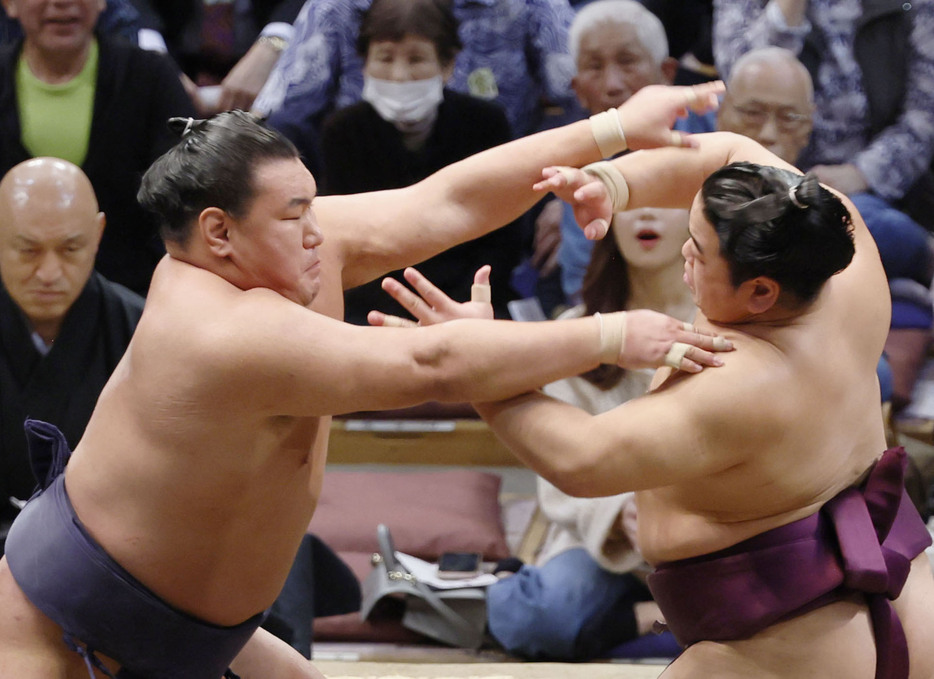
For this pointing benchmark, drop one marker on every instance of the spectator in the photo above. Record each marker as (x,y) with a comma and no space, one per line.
(689,27)
(618,47)
(226,48)
(515,52)
(119,17)
(409,126)
(586,595)
(63,327)
(770,99)
(99,103)
(872,65)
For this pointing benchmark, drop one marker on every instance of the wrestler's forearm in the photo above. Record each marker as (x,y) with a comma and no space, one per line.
(487,190)
(671,177)
(473,360)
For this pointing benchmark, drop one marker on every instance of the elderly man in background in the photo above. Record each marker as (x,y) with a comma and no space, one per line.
(63,326)
(770,98)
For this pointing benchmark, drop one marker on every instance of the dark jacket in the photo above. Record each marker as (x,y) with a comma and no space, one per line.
(363,152)
(882,50)
(61,387)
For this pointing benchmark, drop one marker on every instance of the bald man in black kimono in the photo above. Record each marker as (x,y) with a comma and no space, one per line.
(63,326)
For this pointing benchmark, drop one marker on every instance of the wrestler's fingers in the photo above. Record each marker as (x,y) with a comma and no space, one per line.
(706,339)
(430,293)
(704,96)
(482,276)
(408,299)
(555,177)
(683,140)
(388,321)
(481,291)
(597,229)
(689,358)
(592,191)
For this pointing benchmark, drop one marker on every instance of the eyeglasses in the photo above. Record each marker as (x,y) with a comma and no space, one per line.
(786,120)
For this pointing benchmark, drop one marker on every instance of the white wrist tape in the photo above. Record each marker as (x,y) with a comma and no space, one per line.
(607,131)
(612,336)
(613,179)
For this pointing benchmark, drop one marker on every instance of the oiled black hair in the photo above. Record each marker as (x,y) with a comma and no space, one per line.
(214,165)
(775,223)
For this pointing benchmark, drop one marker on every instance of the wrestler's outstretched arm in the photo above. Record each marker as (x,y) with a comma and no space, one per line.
(378,232)
(580,453)
(673,434)
(645,337)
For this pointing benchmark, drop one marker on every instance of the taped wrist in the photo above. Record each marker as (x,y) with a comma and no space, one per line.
(607,130)
(612,336)
(613,179)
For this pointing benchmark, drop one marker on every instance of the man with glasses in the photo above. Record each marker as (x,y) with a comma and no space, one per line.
(770,98)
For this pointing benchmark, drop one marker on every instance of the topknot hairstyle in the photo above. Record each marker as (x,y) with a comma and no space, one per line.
(775,223)
(214,165)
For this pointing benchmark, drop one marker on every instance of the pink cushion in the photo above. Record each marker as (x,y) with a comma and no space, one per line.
(427,512)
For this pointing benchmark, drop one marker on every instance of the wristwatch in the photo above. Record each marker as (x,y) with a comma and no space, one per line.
(276,42)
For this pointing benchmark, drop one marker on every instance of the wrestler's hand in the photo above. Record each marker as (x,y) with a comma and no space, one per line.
(648,339)
(648,116)
(586,194)
(431,305)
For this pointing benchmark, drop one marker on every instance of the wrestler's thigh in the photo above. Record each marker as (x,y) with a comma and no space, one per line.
(31,645)
(834,642)
(915,607)
(265,656)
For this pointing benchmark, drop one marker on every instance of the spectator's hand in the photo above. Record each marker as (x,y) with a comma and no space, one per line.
(648,116)
(586,194)
(649,339)
(246,79)
(194,94)
(547,238)
(844,178)
(628,522)
(431,305)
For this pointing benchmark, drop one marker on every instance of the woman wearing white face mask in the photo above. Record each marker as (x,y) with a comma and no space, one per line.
(408,126)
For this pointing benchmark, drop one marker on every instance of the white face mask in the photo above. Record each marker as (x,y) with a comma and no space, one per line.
(404,103)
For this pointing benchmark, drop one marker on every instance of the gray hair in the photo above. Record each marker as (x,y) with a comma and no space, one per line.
(648,27)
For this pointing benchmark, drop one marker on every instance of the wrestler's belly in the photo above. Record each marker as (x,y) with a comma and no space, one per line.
(833,642)
(216,543)
(668,531)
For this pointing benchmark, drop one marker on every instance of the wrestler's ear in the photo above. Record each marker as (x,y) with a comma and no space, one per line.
(761,294)
(214,225)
